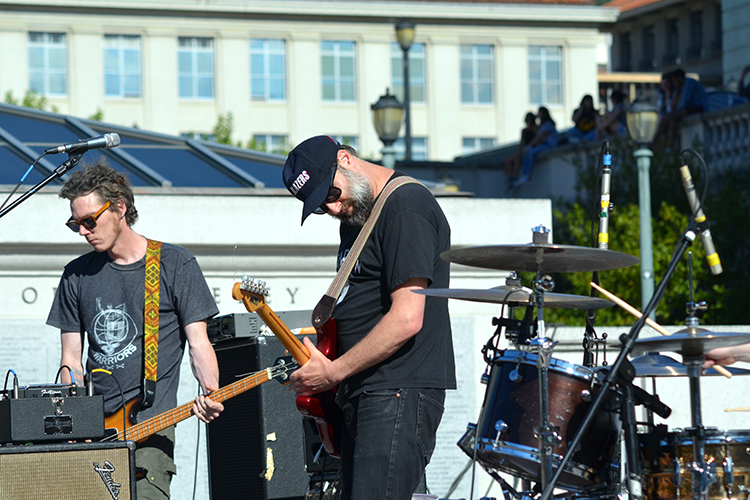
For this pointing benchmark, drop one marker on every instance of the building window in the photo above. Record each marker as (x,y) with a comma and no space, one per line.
(417,72)
(649,49)
(716,44)
(48,64)
(625,52)
(545,74)
(477,74)
(349,140)
(271,143)
(267,70)
(696,35)
(418,148)
(471,144)
(338,65)
(122,66)
(673,44)
(196,67)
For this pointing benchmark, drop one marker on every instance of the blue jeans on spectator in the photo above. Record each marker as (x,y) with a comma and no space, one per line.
(575,135)
(528,161)
(388,441)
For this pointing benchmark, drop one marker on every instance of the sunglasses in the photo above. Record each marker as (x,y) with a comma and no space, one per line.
(333,195)
(89,222)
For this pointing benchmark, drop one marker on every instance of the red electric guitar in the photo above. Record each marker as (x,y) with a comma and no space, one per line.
(321,407)
(125,417)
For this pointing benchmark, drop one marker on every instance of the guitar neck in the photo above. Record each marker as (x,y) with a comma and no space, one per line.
(284,334)
(143,430)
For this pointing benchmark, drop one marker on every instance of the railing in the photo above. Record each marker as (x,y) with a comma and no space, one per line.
(724,133)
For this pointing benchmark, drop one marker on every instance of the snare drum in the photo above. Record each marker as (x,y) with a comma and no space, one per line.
(668,474)
(511,412)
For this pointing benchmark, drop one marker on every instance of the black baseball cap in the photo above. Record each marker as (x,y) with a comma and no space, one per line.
(307,171)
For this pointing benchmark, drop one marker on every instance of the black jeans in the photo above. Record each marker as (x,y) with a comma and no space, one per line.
(388,440)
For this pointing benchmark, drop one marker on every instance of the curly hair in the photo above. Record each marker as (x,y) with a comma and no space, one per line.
(105,181)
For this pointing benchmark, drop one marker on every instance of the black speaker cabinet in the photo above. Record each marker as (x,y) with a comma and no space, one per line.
(256,448)
(70,471)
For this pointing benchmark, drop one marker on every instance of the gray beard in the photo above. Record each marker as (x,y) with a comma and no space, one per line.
(361,198)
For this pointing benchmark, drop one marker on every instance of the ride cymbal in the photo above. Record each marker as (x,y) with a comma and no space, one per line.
(690,341)
(515,296)
(550,258)
(658,365)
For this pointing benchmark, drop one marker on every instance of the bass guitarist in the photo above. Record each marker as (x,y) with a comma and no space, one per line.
(395,352)
(103,294)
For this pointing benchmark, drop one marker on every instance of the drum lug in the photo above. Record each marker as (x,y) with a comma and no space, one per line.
(501,428)
(515,376)
(485,379)
(676,477)
(728,475)
(585,395)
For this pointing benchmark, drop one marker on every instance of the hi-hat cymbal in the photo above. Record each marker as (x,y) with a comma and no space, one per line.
(515,296)
(658,365)
(550,258)
(691,341)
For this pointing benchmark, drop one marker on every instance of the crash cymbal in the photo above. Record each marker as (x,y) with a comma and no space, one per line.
(551,258)
(515,296)
(658,365)
(690,341)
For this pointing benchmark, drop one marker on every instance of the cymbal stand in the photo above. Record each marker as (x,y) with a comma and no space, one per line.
(703,475)
(628,342)
(548,435)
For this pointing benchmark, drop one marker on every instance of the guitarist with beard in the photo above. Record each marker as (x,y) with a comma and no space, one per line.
(395,352)
(102,295)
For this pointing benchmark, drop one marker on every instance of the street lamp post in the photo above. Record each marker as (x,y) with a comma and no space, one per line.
(642,118)
(405,37)
(386,115)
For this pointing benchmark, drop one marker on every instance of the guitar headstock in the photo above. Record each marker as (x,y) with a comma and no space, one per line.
(252,292)
(282,368)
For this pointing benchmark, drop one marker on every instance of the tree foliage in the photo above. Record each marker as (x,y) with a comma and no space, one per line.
(727,205)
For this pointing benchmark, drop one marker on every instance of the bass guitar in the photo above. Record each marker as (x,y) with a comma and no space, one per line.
(121,425)
(321,407)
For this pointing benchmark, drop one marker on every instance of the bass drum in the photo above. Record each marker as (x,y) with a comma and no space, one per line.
(510,415)
(673,453)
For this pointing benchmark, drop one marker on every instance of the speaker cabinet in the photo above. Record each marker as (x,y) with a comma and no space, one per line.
(70,471)
(256,448)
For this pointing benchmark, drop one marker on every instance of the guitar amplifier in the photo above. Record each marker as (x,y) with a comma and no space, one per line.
(246,325)
(45,415)
(256,449)
(68,471)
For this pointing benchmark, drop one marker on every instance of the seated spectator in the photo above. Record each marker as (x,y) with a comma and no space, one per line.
(586,119)
(666,97)
(692,99)
(742,89)
(513,161)
(613,122)
(546,138)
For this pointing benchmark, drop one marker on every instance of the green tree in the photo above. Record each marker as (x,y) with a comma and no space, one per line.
(98,116)
(224,129)
(31,99)
(726,294)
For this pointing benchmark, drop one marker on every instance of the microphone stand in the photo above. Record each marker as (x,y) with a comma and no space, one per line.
(67,165)
(613,375)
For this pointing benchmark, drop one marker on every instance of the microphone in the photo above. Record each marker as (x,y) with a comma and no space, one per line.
(603,241)
(105,141)
(695,206)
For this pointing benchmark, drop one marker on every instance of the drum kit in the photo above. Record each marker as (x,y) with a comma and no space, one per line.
(570,430)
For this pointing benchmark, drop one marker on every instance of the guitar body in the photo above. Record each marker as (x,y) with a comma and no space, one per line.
(322,407)
(113,424)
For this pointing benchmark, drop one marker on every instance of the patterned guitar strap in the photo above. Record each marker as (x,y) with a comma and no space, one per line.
(151,322)
(324,309)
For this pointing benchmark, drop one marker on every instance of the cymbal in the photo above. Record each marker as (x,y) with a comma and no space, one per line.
(551,258)
(658,365)
(691,341)
(515,296)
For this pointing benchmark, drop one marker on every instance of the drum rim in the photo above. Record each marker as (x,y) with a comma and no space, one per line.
(555,364)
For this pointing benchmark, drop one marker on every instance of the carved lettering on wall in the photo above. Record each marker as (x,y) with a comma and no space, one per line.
(29,295)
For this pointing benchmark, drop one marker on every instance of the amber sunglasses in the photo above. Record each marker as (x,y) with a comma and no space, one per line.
(89,222)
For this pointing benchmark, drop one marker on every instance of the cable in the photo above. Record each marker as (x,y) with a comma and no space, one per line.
(122,400)
(7,374)
(28,171)
(70,373)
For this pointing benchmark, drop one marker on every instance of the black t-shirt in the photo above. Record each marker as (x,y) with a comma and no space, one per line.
(405,243)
